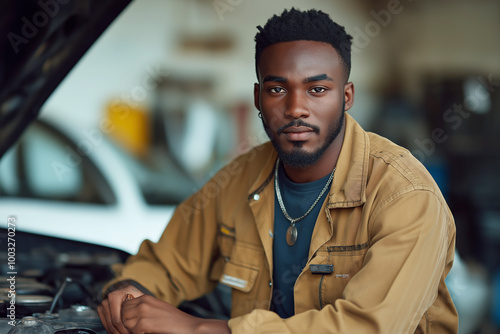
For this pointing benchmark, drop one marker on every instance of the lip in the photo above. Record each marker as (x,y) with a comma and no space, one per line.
(298,133)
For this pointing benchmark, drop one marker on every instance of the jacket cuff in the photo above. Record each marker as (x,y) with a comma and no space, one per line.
(121,284)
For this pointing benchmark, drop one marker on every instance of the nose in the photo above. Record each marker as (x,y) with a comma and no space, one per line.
(296,106)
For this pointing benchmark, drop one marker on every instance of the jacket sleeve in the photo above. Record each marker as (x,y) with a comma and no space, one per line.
(178,266)
(411,250)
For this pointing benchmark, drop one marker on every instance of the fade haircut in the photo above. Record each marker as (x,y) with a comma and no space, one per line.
(311,25)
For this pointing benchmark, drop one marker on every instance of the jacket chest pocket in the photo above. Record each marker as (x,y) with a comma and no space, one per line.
(242,271)
(347,261)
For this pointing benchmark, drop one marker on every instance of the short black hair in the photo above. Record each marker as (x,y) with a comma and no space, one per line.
(311,25)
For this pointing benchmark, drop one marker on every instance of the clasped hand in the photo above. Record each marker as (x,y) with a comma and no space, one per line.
(147,314)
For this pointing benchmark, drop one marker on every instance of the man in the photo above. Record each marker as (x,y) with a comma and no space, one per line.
(327,228)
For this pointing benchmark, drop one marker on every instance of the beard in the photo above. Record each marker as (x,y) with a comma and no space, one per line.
(297,157)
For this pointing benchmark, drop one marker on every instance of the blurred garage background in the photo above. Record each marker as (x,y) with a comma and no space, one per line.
(169,88)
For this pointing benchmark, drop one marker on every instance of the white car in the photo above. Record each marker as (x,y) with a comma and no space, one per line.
(72,203)
(83,188)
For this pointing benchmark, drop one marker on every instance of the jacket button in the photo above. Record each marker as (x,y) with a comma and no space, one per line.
(256,197)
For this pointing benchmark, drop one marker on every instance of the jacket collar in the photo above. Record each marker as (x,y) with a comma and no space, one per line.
(266,174)
(348,187)
(349,182)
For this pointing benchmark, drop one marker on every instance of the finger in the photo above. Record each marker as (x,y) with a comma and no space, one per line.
(129,309)
(114,319)
(130,315)
(105,316)
(102,316)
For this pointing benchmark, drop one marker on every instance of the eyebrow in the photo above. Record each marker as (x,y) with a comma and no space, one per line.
(318,77)
(274,78)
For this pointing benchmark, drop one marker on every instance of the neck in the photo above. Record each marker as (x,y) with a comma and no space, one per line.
(321,168)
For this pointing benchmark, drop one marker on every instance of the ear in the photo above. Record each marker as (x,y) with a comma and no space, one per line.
(349,95)
(256,96)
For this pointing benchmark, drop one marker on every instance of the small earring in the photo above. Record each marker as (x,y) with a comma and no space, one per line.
(260,115)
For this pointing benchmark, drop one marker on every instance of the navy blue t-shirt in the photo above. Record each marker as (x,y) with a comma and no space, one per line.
(289,260)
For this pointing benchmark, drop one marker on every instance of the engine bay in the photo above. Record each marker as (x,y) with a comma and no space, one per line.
(57,287)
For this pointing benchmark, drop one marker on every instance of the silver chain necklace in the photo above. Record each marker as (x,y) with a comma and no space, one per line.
(291,233)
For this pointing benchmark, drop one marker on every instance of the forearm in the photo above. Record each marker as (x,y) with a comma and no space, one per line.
(173,269)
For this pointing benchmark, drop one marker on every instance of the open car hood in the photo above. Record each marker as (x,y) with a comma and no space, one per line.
(41,41)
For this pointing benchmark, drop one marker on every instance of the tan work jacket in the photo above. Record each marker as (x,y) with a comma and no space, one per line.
(384,227)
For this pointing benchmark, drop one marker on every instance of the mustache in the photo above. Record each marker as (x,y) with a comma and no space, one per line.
(298,122)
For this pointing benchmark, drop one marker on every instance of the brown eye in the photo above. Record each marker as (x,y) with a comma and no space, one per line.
(318,89)
(276,90)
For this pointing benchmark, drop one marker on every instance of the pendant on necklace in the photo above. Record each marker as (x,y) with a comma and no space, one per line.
(291,235)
